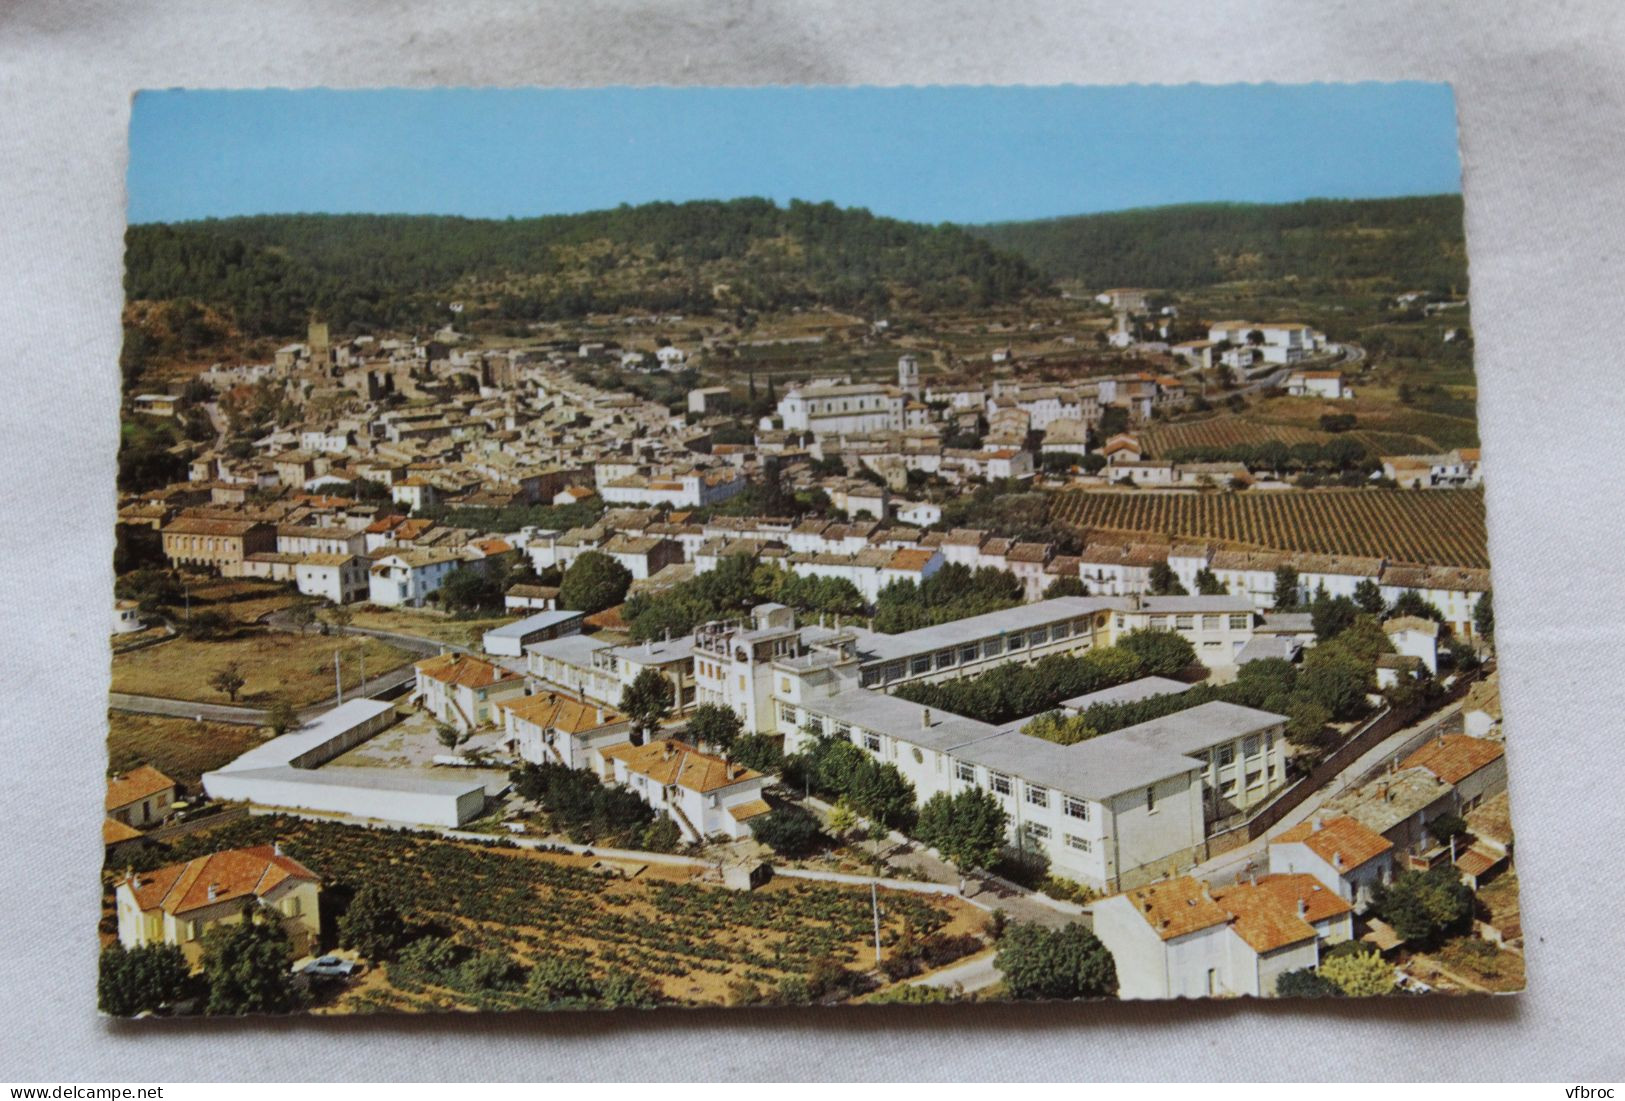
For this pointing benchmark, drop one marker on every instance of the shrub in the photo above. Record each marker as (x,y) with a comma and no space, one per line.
(789,830)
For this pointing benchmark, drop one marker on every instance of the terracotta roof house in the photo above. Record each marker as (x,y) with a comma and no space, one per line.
(179,903)
(1343,854)
(704,794)
(140,797)
(461,690)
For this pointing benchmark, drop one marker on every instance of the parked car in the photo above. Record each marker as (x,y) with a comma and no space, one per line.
(330,967)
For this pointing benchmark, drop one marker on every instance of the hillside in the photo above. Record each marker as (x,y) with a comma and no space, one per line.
(378,271)
(1396,244)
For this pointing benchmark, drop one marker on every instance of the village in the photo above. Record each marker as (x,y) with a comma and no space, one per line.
(635,616)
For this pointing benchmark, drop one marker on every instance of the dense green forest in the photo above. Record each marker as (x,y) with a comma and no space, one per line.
(380,271)
(1406,244)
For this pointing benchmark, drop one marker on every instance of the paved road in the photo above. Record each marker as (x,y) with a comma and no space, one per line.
(977,973)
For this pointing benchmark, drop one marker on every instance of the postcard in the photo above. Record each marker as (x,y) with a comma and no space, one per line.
(662,547)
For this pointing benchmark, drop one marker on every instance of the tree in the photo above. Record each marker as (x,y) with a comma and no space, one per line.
(1164,582)
(450,736)
(130,981)
(1060,728)
(1425,906)
(967,828)
(842,818)
(340,616)
(1331,615)
(246,967)
(1338,681)
(471,590)
(1447,825)
(372,925)
(1066,586)
(661,836)
(281,717)
(302,616)
(1306,982)
(1069,962)
(1208,583)
(1368,597)
(789,830)
(1410,602)
(646,701)
(1286,587)
(1484,618)
(714,726)
(758,751)
(1162,653)
(1359,974)
(593,582)
(228,679)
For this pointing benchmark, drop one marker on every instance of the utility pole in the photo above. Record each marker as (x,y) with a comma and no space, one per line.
(338,682)
(874,904)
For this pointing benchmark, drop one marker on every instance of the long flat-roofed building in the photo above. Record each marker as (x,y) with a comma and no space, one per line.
(286,772)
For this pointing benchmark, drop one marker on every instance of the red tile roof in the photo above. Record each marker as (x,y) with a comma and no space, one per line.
(1344,843)
(1454,757)
(136,785)
(234,874)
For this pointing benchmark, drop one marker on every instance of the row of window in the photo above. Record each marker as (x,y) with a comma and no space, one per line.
(921,664)
(1040,833)
(1238,622)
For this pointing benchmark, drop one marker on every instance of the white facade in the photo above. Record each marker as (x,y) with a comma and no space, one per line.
(339,578)
(407,578)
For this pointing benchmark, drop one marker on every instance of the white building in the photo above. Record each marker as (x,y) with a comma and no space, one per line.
(463,691)
(341,578)
(706,796)
(1340,852)
(1179,939)
(832,407)
(599,673)
(562,729)
(287,772)
(127,617)
(511,639)
(408,577)
(1415,637)
(1317,384)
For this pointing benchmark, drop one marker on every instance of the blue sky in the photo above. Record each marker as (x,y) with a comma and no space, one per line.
(926,154)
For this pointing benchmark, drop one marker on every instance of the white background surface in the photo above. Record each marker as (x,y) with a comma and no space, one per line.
(1541,95)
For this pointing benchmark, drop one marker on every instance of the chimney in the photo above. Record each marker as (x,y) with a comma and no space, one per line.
(276,848)
(1303,908)
(925,717)
(1337,859)
(1318,822)
(600,716)
(214,891)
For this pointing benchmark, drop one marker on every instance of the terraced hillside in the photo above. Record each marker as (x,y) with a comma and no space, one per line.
(1431,527)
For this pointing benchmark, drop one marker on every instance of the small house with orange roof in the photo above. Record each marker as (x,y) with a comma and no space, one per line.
(463,690)
(140,797)
(1475,767)
(1343,853)
(704,794)
(1178,938)
(179,903)
(558,728)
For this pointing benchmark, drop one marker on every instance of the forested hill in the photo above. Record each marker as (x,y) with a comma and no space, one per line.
(1399,244)
(380,271)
